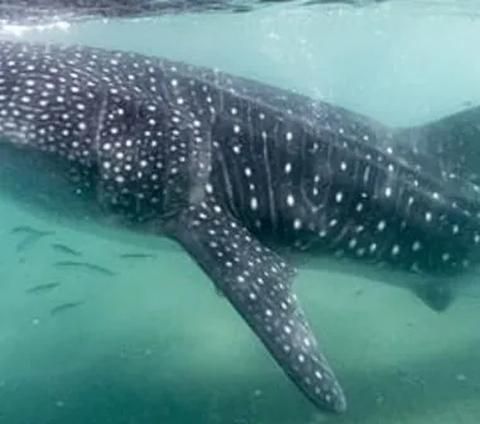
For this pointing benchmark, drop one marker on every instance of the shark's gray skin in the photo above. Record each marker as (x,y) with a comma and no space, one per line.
(235,170)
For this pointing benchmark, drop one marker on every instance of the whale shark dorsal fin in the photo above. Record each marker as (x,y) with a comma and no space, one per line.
(452,141)
(257,282)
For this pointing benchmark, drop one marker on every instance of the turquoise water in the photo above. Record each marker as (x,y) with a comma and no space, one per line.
(155,343)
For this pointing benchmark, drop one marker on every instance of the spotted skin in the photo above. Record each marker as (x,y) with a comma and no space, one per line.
(233,170)
(258,283)
(328,189)
(126,136)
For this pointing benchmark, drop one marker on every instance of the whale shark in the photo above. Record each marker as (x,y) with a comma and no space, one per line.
(241,175)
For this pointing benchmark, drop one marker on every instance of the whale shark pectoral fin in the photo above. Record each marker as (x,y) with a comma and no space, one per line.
(438,295)
(257,282)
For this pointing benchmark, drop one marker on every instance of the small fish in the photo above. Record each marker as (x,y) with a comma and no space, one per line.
(65,249)
(87,265)
(64,307)
(137,256)
(31,239)
(29,230)
(42,288)
(359,292)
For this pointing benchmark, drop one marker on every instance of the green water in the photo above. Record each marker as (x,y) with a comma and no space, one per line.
(155,343)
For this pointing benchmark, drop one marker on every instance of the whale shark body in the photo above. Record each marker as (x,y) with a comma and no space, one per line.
(235,171)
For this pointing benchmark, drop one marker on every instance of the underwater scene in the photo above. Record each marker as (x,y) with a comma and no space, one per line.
(262,212)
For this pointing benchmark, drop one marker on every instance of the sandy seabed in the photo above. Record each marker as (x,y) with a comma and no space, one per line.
(156,343)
